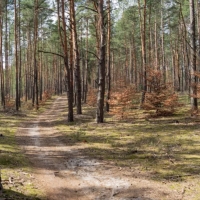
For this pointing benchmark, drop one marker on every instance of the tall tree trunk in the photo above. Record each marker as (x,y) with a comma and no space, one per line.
(101,65)
(28,66)
(16,58)
(76,59)
(86,63)
(162,43)
(194,103)
(6,53)
(157,67)
(150,36)
(41,77)
(143,43)
(35,85)
(131,62)
(20,54)
(98,36)
(198,32)
(1,57)
(41,68)
(134,57)
(69,74)
(108,55)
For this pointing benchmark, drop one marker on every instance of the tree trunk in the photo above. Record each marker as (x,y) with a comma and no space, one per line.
(143,43)
(16,59)
(194,103)
(157,67)
(6,53)
(101,64)
(162,44)
(69,74)
(36,91)
(1,58)
(76,59)
(85,86)
(20,54)
(108,55)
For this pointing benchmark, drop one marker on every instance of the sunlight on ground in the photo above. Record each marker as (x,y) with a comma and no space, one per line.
(168,148)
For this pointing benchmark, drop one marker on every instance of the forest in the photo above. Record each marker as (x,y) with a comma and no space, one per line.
(99,48)
(115,80)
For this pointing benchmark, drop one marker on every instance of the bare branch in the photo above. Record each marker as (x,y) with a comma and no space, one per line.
(89,8)
(57,54)
(92,54)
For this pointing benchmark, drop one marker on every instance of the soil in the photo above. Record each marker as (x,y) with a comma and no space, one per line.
(64,172)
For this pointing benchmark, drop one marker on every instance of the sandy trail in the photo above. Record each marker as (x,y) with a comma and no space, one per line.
(64,173)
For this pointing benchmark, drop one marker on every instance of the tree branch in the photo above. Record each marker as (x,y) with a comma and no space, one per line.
(93,54)
(57,54)
(88,8)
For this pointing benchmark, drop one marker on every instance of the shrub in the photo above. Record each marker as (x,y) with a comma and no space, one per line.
(92,97)
(121,101)
(160,97)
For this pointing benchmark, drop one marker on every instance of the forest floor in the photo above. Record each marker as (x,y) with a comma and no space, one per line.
(138,159)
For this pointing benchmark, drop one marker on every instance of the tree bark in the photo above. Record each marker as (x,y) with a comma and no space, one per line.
(69,74)
(194,102)
(108,55)
(101,64)
(76,59)
(20,54)
(143,43)
(16,59)
(1,58)
(36,91)
(162,44)
(6,54)
(85,86)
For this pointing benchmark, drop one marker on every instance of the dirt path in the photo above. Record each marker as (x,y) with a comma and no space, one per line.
(63,172)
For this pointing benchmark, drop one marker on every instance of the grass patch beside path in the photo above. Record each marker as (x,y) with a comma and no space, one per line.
(16,172)
(15,169)
(166,148)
